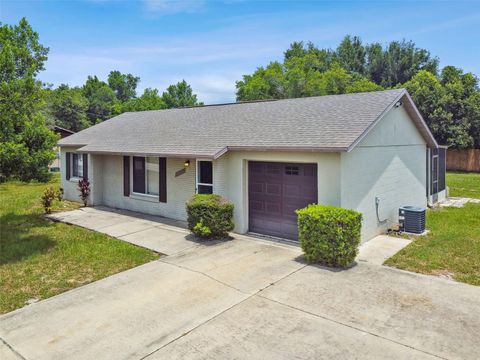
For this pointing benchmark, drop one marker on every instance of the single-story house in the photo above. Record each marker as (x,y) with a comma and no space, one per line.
(371,152)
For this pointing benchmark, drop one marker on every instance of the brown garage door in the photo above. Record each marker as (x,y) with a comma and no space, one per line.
(275,191)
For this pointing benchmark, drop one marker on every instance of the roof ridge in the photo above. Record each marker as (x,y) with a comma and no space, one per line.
(268,100)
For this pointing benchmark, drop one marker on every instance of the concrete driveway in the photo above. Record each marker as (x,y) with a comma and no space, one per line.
(247,298)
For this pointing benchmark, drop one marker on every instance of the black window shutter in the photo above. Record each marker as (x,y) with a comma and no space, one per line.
(138,174)
(162,179)
(126,176)
(68,165)
(85,166)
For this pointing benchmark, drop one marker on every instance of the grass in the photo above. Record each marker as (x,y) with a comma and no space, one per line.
(464,184)
(40,258)
(452,247)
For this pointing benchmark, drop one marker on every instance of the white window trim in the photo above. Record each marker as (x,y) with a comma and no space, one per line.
(197,168)
(73,178)
(137,195)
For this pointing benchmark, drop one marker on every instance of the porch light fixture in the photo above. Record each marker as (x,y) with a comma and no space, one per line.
(186,163)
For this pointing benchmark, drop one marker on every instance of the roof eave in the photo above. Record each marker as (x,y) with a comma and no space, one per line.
(280,148)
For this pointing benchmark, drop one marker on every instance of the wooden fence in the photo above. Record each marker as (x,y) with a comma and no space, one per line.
(463,160)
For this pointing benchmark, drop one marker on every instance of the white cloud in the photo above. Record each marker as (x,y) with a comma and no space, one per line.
(173,6)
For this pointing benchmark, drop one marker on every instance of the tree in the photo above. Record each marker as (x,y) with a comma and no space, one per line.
(449,104)
(449,101)
(150,100)
(352,54)
(27,143)
(124,85)
(68,108)
(180,95)
(403,60)
(101,100)
(307,75)
(265,83)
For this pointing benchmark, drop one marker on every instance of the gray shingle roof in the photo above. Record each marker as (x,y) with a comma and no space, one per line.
(321,123)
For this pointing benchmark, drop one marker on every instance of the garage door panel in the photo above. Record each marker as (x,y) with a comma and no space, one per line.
(273,189)
(276,190)
(256,187)
(256,205)
(292,190)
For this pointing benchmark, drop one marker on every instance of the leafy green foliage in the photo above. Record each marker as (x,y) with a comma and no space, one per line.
(209,215)
(124,85)
(329,235)
(101,100)
(201,230)
(27,143)
(450,104)
(48,197)
(180,95)
(67,107)
(149,100)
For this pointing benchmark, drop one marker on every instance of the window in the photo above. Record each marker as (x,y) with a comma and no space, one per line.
(77,165)
(204,177)
(291,170)
(145,173)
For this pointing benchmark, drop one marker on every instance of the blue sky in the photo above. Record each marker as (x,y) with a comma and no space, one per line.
(211,44)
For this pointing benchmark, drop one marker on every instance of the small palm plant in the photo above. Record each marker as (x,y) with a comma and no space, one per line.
(84,189)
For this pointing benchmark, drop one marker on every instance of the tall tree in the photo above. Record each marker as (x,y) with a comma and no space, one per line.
(264,83)
(101,100)
(124,85)
(403,60)
(352,54)
(149,100)
(180,95)
(449,105)
(300,76)
(27,143)
(68,108)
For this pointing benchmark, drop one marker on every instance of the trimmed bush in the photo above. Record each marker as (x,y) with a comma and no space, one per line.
(329,235)
(209,216)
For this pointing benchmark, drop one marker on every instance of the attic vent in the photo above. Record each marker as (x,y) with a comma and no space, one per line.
(412,219)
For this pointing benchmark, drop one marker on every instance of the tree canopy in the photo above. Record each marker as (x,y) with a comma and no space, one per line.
(449,100)
(124,85)
(26,142)
(180,95)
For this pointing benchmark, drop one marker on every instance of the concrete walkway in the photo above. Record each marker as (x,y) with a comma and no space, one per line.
(139,229)
(246,298)
(458,202)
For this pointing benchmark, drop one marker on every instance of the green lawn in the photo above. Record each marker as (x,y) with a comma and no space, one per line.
(453,245)
(40,258)
(464,184)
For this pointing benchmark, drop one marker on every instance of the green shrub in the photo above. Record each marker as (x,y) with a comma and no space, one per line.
(48,197)
(209,215)
(329,235)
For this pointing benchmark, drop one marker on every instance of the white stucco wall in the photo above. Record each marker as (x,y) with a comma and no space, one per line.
(179,189)
(106,182)
(236,177)
(390,162)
